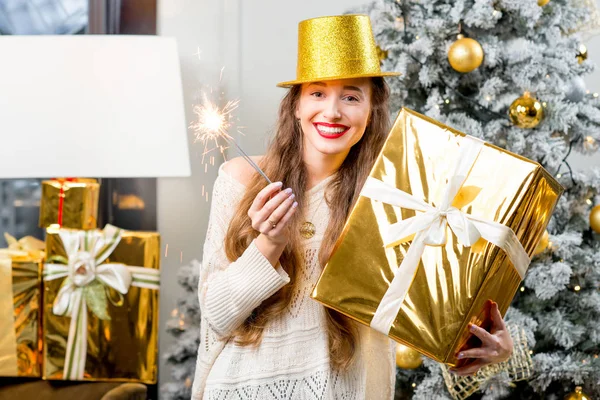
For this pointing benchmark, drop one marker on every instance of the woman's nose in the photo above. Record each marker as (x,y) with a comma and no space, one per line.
(332,110)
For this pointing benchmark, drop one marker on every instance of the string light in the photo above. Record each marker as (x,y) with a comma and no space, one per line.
(577,288)
(522,288)
(543,103)
(447,101)
(595,94)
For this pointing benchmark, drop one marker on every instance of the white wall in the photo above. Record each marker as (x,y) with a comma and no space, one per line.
(256,43)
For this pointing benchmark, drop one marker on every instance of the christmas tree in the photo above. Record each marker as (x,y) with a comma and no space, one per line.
(185,326)
(510,72)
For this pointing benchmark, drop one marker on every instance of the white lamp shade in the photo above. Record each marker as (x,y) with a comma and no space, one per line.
(91,106)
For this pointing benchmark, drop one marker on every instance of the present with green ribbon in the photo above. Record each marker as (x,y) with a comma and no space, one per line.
(101,305)
(20,298)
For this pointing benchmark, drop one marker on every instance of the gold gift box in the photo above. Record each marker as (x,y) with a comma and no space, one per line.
(78,208)
(452,283)
(20,327)
(124,348)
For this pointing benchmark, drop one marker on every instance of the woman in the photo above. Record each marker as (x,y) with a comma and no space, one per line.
(262,337)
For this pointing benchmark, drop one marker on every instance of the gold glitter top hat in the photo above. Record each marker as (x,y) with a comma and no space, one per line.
(337,47)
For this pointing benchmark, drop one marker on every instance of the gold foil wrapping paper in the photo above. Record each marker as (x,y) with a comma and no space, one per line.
(20,328)
(123,348)
(452,284)
(69,203)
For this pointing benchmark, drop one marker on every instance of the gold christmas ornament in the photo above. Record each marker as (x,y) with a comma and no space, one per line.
(407,358)
(526,111)
(577,395)
(542,245)
(582,55)
(337,47)
(542,3)
(465,55)
(595,219)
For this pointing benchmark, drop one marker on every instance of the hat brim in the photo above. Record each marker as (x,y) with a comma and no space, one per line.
(289,84)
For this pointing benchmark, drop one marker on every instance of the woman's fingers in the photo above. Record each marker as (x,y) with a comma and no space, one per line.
(468,369)
(263,196)
(482,334)
(499,324)
(271,205)
(478,352)
(279,212)
(283,221)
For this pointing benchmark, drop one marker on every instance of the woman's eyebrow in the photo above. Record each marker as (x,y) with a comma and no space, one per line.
(356,88)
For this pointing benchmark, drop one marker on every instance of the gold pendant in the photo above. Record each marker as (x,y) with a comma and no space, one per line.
(307,230)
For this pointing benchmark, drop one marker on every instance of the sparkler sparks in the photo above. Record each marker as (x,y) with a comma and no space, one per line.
(214,123)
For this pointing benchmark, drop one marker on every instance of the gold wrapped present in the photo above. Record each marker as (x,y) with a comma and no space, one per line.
(444,223)
(20,299)
(69,203)
(101,305)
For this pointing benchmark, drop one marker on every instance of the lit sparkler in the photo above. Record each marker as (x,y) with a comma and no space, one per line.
(213,123)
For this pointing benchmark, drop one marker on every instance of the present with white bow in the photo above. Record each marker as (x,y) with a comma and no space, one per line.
(20,299)
(444,223)
(101,305)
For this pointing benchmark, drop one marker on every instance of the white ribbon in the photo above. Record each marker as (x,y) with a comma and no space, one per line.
(429,228)
(86,252)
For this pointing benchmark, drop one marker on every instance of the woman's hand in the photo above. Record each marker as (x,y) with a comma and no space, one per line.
(496,345)
(271,211)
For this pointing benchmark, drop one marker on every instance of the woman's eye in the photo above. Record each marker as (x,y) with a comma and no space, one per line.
(317,94)
(352,98)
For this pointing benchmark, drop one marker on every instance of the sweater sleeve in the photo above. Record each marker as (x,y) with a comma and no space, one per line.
(229,291)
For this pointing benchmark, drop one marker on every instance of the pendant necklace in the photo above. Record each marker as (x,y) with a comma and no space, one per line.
(307,229)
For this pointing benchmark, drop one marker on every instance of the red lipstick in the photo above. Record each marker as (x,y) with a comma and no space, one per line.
(330,135)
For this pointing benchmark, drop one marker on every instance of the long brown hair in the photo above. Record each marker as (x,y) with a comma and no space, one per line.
(281,162)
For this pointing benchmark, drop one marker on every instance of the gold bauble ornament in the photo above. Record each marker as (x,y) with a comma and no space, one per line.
(582,54)
(577,395)
(407,358)
(595,219)
(526,111)
(465,55)
(542,3)
(542,244)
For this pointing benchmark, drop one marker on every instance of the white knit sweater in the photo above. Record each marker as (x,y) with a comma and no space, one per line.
(292,361)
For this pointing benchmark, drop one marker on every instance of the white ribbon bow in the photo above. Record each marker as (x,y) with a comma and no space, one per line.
(429,228)
(86,251)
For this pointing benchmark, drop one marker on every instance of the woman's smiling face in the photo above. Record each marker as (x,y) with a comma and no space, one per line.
(334,114)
